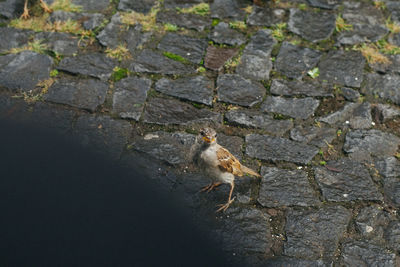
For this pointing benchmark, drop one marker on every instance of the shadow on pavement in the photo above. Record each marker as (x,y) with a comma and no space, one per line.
(62,205)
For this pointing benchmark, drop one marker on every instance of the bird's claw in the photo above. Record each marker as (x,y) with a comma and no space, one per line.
(224,207)
(45,7)
(25,15)
(210,187)
(206,188)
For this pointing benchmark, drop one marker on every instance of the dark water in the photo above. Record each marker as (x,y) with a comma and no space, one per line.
(61,205)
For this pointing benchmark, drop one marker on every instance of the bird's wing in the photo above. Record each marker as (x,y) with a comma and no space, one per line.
(227,162)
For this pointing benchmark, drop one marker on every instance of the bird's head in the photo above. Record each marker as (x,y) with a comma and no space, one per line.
(208,135)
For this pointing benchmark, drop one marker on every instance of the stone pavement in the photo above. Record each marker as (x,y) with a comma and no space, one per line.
(307,92)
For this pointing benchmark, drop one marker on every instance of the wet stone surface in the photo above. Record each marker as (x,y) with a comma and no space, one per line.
(371,142)
(23,71)
(355,115)
(371,222)
(388,167)
(223,34)
(301,108)
(346,180)
(11,8)
(235,89)
(264,16)
(384,86)
(141,7)
(40,115)
(255,62)
(167,111)
(299,88)
(86,94)
(256,119)
(156,170)
(189,187)
(187,20)
(324,227)
(60,15)
(197,89)
(192,49)
(91,21)
(92,5)
(154,62)
(340,115)
(3,20)
(13,108)
(311,26)
(342,67)
(361,117)
(114,35)
(278,149)
(392,235)
(95,65)
(350,94)
(394,7)
(181,3)
(130,96)
(368,24)
(362,253)
(393,66)
(232,9)
(251,226)
(102,133)
(174,148)
(394,38)
(325,4)
(294,61)
(61,43)
(316,136)
(285,188)
(362,33)
(53,118)
(391,187)
(13,38)
(262,42)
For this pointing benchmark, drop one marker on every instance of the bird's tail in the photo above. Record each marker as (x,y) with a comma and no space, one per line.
(249,171)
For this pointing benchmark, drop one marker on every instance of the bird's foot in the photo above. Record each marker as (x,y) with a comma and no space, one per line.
(45,7)
(210,187)
(224,207)
(25,15)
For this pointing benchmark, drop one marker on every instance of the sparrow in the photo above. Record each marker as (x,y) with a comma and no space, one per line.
(219,163)
(45,7)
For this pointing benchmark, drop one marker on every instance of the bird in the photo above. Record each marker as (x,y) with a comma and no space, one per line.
(25,14)
(218,163)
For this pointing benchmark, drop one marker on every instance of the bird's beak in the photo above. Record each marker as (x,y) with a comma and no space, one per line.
(208,140)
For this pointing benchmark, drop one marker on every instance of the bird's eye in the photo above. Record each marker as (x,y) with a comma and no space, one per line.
(216,135)
(202,132)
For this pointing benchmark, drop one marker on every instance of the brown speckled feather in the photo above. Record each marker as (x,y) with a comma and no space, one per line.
(228,163)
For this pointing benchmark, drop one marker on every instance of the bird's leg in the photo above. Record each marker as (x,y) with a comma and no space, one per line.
(223,207)
(210,187)
(25,15)
(45,6)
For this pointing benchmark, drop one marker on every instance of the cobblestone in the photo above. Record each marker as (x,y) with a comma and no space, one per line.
(137,80)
